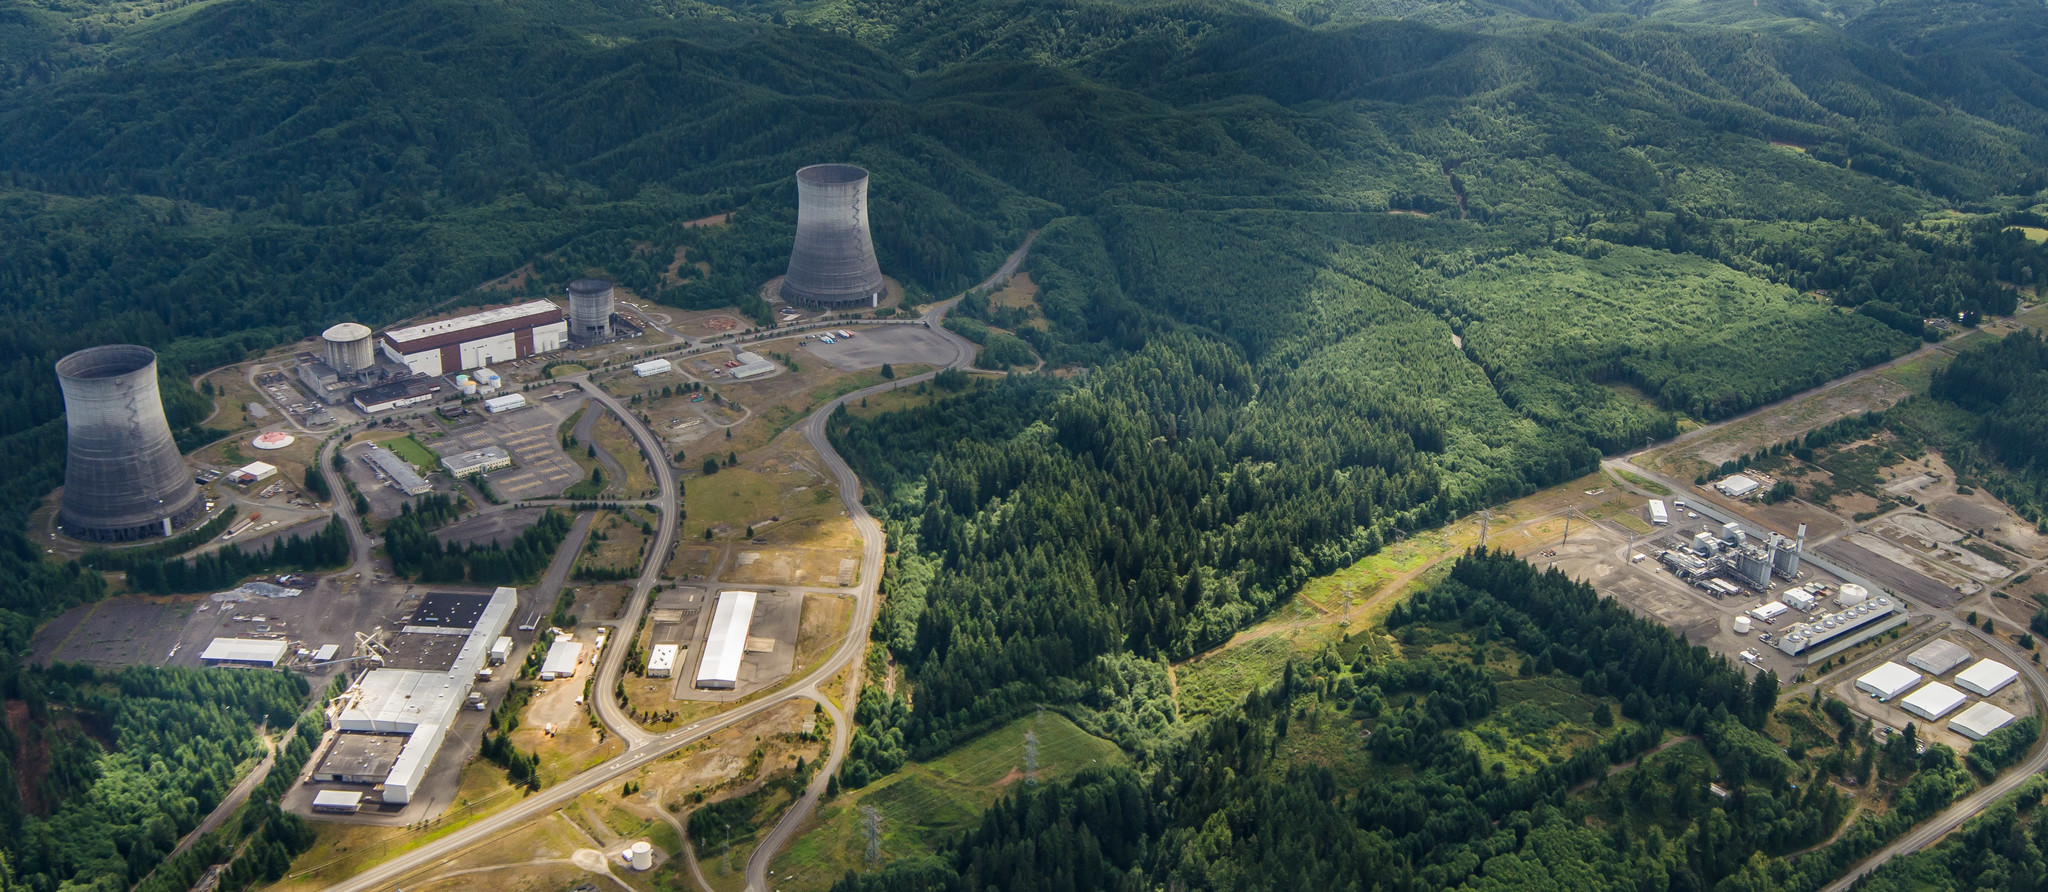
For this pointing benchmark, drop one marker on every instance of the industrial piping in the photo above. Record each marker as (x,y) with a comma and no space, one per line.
(832,263)
(123,476)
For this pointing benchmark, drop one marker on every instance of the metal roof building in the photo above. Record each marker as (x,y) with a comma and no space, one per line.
(562,658)
(1823,631)
(397,471)
(477,461)
(337,801)
(505,403)
(1980,720)
(1939,656)
(1888,681)
(246,651)
(1933,700)
(1986,677)
(726,644)
(496,335)
(652,367)
(1737,486)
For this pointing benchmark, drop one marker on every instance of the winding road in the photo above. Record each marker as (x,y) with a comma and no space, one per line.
(643,747)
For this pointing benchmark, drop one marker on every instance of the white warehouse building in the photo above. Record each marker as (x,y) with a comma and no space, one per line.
(726,644)
(502,334)
(1933,701)
(1986,677)
(1938,657)
(1979,721)
(652,367)
(1888,681)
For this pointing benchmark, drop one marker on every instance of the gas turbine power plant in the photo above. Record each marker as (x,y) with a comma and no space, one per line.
(590,311)
(123,476)
(832,263)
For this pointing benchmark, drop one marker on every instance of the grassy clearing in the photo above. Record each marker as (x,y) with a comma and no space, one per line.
(1645,483)
(414,451)
(926,802)
(2033,233)
(1540,721)
(734,496)
(612,437)
(566,369)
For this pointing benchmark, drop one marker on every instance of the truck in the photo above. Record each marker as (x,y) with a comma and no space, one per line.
(1658,515)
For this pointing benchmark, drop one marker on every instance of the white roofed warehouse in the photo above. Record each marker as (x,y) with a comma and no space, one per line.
(503,334)
(1888,681)
(245,651)
(1986,677)
(726,644)
(1933,700)
(1980,720)
(1938,657)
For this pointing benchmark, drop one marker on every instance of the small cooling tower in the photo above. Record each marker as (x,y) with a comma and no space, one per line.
(123,476)
(832,263)
(590,310)
(348,348)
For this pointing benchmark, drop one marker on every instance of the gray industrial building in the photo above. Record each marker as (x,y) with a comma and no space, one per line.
(477,461)
(349,350)
(397,471)
(832,262)
(590,311)
(124,478)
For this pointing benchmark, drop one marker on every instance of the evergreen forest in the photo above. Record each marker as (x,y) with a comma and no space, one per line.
(1313,276)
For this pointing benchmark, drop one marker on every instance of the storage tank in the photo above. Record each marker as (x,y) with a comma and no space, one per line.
(468,388)
(487,378)
(348,348)
(1742,625)
(123,476)
(832,262)
(590,310)
(641,855)
(1852,595)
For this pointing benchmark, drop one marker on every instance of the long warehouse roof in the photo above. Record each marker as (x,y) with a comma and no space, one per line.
(246,650)
(433,335)
(726,644)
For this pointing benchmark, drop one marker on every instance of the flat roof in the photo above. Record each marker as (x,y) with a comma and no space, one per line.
(725,645)
(399,701)
(1888,680)
(663,658)
(1933,700)
(326,652)
(1938,657)
(396,390)
(1738,485)
(510,399)
(1986,677)
(258,469)
(1769,611)
(450,610)
(475,458)
(483,324)
(356,754)
(349,799)
(267,651)
(399,470)
(1979,720)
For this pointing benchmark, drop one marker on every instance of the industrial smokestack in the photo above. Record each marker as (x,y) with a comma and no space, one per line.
(123,476)
(348,348)
(832,263)
(590,310)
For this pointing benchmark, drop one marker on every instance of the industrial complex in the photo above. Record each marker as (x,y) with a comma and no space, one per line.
(393,720)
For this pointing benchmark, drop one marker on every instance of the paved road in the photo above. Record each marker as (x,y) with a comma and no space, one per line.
(643,748)
(236,796)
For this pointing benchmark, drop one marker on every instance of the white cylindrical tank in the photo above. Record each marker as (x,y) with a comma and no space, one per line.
(1852,595)
(641,856)
(1742,625)
(468,388)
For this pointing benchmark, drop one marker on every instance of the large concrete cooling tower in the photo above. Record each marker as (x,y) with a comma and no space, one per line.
(348,348)
(123,477)
(832,263)
(590,310)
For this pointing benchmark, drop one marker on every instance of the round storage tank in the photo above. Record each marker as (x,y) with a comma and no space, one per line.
(590,310)
(468,388)
(348,348)
(1742,625)
(123,476)
(641,855)
(1852,594)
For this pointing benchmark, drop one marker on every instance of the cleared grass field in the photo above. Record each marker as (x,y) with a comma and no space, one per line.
(414,451)
(925,803)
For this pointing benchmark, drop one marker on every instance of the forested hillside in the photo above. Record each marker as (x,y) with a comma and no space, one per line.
(1319,273)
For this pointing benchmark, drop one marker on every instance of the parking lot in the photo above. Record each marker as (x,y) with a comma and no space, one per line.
(539,467)
(877,344)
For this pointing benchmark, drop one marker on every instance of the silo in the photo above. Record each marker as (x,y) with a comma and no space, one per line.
(640,855)
(590,310)
(832,263)
(348,348)
(123,476)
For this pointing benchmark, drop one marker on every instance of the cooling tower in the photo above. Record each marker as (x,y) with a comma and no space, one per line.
(832,263)
(348,348)
(123,477)
(590,310)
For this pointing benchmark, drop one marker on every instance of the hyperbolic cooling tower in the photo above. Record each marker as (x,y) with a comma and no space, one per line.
(833,260)
(123,477)
(590,310)
(348,348)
